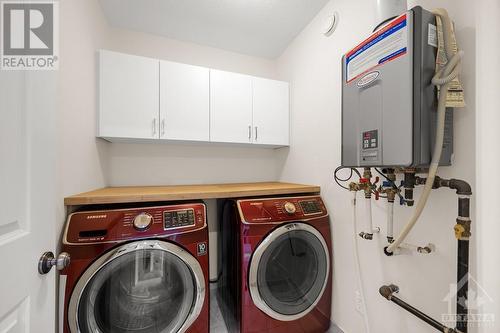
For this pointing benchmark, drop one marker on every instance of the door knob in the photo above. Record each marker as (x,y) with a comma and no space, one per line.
(47,261)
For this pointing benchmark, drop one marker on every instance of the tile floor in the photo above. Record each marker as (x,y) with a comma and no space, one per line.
(217,324)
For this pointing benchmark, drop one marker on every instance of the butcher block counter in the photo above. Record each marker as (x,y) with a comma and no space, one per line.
(112,195)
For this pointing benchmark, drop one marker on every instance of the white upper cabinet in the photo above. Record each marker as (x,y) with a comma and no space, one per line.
(129,96)
(184,102)
(150,99)
(271,115)
(230,107)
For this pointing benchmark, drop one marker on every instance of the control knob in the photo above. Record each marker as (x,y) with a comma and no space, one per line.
(290,208)
(143,221)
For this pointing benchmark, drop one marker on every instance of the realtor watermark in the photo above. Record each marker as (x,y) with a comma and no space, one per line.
(476,299)
(29,35)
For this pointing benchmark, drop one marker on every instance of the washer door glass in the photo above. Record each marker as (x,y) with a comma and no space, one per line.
(144,291)
(292,272)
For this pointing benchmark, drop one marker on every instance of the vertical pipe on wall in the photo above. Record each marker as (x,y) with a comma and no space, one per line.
(368,216)
(463,284)
(387,10)
(463,264)
(390,221)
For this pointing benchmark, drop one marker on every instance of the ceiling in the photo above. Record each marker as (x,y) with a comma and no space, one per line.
(261,28)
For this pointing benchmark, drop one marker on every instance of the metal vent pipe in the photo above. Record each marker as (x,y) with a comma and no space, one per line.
(387,10)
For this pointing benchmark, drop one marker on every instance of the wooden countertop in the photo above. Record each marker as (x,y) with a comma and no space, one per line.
(109,195)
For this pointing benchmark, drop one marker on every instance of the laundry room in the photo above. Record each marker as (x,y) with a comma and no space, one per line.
(249,166)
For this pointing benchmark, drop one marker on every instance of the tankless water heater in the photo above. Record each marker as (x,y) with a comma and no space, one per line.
(389,106)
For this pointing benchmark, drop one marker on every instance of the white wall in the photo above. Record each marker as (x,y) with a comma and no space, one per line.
(88,163)
(83,29)
(312,64)
(139,164)
(488,159)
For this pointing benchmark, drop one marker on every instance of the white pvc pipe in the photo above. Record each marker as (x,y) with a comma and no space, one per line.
(358,263)
(368,216)
(390,219)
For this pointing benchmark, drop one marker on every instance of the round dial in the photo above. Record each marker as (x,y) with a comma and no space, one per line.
(290,208)
(143,221)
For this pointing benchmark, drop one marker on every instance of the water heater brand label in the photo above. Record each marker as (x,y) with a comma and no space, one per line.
(385,45)
(368,78)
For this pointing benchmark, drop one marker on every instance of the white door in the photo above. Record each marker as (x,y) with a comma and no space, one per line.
(230,107)
(27,199)
(129,96)
(271,112)
(184,102)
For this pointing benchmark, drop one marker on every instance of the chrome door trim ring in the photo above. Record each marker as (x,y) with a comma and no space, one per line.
(186,257)
(254,266)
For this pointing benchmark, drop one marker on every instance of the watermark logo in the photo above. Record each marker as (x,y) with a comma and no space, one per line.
(29,35)
(476,299)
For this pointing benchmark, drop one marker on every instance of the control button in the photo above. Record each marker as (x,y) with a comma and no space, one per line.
(143,221)
(290,208)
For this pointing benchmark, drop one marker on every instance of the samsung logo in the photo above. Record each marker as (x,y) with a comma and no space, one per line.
(93,217)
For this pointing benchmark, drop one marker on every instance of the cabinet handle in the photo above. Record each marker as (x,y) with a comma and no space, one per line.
(154,127)
(256,133)
(163,127)
(249,132)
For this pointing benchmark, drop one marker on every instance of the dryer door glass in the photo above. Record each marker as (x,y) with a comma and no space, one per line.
(143,291)
(292,272)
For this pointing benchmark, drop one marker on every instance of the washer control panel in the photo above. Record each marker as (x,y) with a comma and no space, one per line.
(281,209)
(115,225)
(178,218)
(310,207)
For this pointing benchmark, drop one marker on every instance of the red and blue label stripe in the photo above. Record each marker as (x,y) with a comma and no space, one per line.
(396,25)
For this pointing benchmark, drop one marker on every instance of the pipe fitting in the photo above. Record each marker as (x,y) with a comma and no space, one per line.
(424,249)
(388,291)
(409,183)
(463,228)
(366,235)
(461,186)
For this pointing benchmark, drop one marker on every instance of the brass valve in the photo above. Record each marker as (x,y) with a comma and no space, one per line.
(365,184)
(459,230)
(462,228)
(391,192)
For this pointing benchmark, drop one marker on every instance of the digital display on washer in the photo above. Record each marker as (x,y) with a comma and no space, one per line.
(310,207)
(178,218)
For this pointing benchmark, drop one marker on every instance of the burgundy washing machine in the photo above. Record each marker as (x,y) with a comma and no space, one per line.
(141,269)
(276,265)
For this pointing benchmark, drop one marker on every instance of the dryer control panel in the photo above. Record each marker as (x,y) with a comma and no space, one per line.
(104,226)
(279,210)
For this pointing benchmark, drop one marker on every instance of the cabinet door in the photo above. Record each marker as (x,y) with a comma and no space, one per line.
(129,96)
(271,112)
(184,102)
(230,107)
